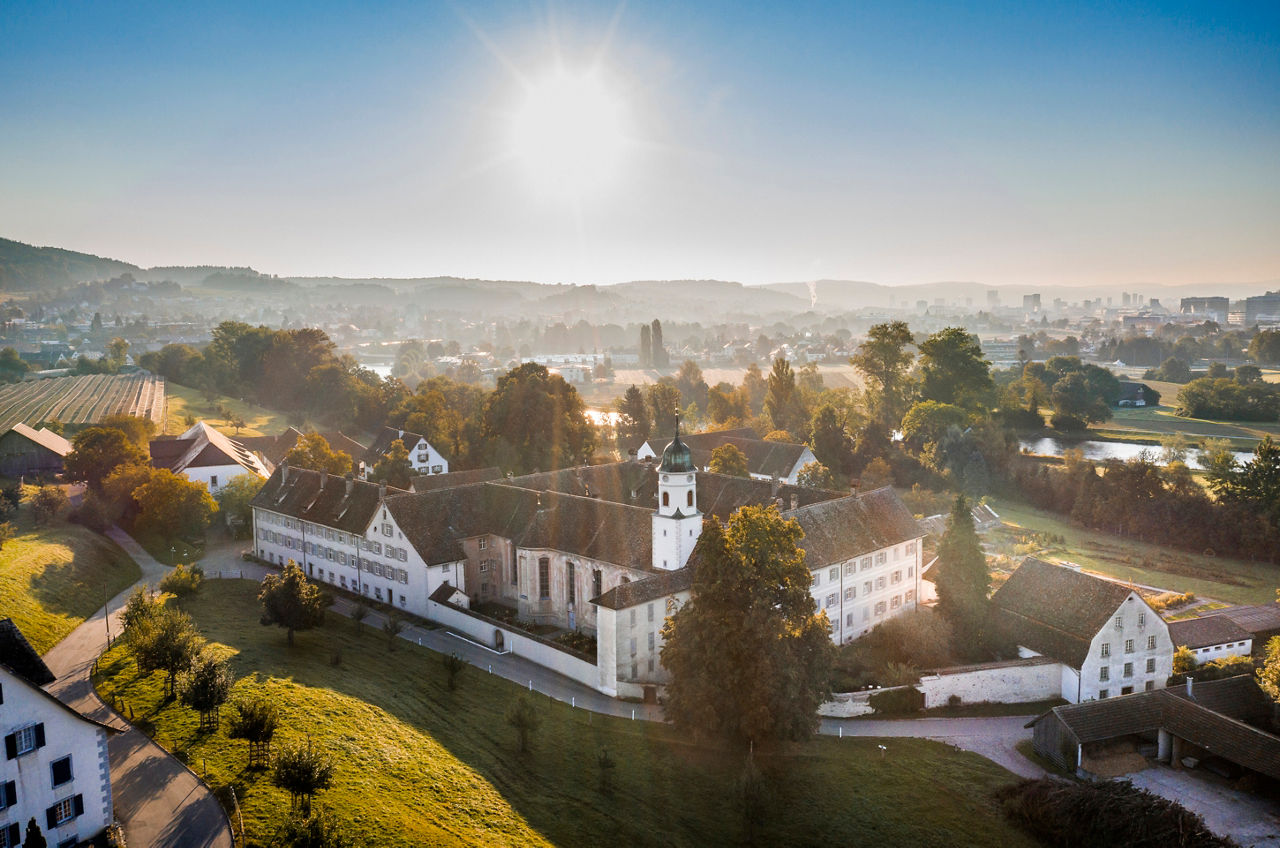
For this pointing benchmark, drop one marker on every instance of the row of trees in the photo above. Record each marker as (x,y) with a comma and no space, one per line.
(295,371)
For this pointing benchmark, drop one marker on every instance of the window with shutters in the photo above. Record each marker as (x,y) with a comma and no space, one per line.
(65,810)
(1151,665)
(8,795)
(24,741)
(10,835)
(61,771)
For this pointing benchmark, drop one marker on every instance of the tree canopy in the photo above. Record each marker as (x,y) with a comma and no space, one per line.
(963,579)
(730,460)
(97,451)
(749,655)
(289,601)
(312,451)
(953,370)
(535,421)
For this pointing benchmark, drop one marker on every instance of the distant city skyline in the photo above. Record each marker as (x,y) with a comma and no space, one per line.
(1058,144)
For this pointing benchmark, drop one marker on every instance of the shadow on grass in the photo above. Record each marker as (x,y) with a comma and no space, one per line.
(667,790)
(96,573)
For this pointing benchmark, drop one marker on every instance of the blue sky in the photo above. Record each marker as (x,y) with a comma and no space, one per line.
(897,142)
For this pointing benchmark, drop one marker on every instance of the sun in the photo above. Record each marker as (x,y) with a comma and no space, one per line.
(569,133)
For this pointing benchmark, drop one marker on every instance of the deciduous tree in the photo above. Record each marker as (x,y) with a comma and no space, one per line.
(782,403)
(302,771)
(394,467)
(749,655)
(255,721)
(525,718)
(235,499)
(953,370)
(97,451)
(205,687)
(533,420)
(884,359)
(313,451)
(289,601)
(730,460)
(172,505)
(165,640)
(47,502)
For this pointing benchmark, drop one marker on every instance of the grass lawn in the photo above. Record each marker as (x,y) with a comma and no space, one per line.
(1150,423)
(53,577)
(1233,580)
(183,401)
(419,765)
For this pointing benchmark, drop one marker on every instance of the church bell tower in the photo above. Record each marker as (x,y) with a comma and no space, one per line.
(677,523)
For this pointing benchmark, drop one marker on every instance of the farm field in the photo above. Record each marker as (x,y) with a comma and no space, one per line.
(184,401)
(78,401)
(54,577)
(390,722)
(1026,532)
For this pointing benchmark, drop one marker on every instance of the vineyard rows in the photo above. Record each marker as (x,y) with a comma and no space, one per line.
(82,400)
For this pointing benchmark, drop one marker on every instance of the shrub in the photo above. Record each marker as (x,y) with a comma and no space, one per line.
(1215,670)
(1102,814)
(903,701)
(1062,421)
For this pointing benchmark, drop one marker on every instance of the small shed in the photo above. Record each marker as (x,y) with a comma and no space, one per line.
(27,451)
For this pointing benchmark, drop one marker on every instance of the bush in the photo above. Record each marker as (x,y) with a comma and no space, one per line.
(1102,814)
(902,701)
(1062,421)
(1215,670)
(1171,600)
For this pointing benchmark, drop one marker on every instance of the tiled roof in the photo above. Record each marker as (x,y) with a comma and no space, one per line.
(203,446)
(430,482)
(766,458)
(660,585)
(836,530)
(1206,631)
(18,656)
(1260,620)
(382,443)
(435,522)
(276,448)
(718,494)
(1055,610)
(1212,718)
(321,498)
(44,437)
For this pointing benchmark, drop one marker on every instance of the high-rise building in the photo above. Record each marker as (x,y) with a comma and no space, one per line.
(1031,302)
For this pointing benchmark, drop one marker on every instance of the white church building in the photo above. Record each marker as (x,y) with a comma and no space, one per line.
(602,549)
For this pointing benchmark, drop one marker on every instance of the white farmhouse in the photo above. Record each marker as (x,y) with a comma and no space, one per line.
(55,766)
(424,457)
(1108,640)
(206,456)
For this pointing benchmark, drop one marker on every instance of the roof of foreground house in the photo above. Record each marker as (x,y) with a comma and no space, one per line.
(1055,610)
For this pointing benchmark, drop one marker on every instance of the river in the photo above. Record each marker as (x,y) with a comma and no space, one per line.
(1099,451)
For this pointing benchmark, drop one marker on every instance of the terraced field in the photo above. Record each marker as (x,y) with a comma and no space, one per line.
(82,400)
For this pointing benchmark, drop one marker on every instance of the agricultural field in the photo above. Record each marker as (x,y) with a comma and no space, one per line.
(185,401)
(1029,531)
(78,401)
(445,767)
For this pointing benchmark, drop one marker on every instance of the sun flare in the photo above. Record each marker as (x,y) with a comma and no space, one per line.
(569,133)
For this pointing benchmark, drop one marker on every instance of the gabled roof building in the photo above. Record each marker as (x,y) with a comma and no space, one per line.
(207,456)
(27,451)
(601,549)
(1108,639)
(55,767)
(765,460)
(424,457)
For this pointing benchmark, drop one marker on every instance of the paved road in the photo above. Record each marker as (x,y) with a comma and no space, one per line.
(993,738)
(160,803)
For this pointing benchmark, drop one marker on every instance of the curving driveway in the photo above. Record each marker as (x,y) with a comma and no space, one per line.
(159,801)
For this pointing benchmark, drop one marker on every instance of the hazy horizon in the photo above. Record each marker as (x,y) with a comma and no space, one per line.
(572,143)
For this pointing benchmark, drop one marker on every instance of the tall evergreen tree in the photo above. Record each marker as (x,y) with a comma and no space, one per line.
(646,347)
(633,412)
(660,357)
(831,444)
(963,581)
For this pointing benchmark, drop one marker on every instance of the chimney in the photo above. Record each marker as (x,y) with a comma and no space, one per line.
(776,485)
(284,470)
(795,500)
(382,490)
(351,484)
(324,478)
(1190,694)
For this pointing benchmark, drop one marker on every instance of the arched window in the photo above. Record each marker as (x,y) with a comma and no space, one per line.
(666,499)
(689,498)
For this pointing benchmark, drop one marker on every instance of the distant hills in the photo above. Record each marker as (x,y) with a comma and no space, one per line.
(24,267)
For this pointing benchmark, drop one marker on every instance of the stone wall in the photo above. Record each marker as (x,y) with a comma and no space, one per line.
(1010,682)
